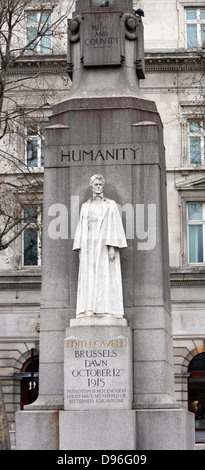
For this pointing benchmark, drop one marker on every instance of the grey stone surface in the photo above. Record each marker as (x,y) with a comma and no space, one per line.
(106,320)
(102,39)
(97,3)
(55,292)
(97,430)
(153,383)
(98,368)
(37,430)
(47,402)
(134,176)
(165,430)
(139,180)
(100,42)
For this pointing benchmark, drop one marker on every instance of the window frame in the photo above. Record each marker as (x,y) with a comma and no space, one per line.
(29,26)
(198,22)
(200,223)
(181,6)
(38,226)
(190,113)
(201,135)
(39,138)
(190,191)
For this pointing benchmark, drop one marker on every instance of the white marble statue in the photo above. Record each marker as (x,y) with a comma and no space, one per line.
(98,237)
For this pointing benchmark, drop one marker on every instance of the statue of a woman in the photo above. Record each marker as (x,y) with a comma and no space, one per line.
(98,237)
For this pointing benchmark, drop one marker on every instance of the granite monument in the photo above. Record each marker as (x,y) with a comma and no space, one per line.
(110,367)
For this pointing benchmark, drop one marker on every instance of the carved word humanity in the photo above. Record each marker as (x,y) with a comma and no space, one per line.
(99,155)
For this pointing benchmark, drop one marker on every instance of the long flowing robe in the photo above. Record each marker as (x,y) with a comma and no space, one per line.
(99,279)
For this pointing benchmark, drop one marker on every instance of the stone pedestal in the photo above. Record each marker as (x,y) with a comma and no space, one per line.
(97,430)
(37,430)
(98,368)
(127,430)
(165,429)
(98,395)
(98,385)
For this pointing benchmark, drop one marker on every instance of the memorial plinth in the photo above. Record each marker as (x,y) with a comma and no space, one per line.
(106,383)
(98,368)
(98,388)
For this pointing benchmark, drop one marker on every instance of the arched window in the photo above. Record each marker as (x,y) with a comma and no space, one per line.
(196,389)
(29,381)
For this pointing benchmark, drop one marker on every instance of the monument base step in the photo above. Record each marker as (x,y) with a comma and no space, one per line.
(163,429)
(98,320)
(46,402)
(37,430)
(97,430)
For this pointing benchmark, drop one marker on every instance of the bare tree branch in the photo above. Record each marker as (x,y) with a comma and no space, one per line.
(25,187)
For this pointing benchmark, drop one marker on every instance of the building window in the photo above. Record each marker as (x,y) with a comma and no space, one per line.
(195,28)
(196,232)
(35,147)
(32,236)
(38,32)
(196,142)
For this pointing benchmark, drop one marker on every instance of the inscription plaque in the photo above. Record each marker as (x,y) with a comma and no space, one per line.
(101,39)
(97,372)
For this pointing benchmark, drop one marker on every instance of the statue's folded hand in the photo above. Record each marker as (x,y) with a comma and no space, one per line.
(111,253)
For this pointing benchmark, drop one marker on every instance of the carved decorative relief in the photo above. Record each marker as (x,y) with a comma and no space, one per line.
(74,27)
(131,26)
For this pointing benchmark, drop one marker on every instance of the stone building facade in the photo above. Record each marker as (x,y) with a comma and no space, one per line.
(174,57)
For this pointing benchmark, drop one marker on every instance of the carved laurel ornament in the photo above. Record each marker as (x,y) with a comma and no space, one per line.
(75,28)
(131,22)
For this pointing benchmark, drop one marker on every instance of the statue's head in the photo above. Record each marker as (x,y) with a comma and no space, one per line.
(97,177)
(97,183)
